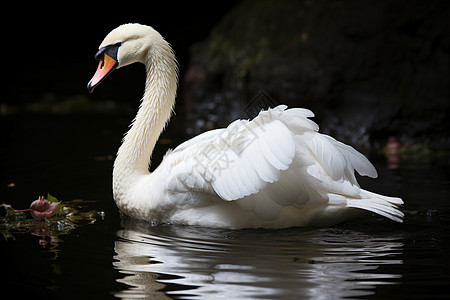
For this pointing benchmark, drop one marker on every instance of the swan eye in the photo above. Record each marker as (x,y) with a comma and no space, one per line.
(110,50)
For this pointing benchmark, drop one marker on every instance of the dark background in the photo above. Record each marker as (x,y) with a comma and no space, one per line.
(369,70)
(50,48)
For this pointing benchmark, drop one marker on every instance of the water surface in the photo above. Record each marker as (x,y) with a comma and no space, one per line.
(117,257)
(189,262)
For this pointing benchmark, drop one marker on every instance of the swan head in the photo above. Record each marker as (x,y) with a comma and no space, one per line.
(127,44)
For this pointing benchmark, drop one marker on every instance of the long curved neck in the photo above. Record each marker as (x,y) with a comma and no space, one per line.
(133,157)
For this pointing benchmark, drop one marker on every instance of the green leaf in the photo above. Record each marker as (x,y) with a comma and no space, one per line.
(51,198)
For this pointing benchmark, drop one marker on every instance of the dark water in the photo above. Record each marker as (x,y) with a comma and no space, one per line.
(70,157)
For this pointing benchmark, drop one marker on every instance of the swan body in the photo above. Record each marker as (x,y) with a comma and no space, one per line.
(274,171)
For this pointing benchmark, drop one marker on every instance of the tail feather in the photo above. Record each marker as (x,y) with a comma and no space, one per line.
(385,206)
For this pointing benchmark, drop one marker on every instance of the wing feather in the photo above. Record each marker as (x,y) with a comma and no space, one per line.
(266,172)
(240,159)
(260,153)
(276,160)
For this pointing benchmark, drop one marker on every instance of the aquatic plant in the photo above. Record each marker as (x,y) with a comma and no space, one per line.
(50,218)
(42,208)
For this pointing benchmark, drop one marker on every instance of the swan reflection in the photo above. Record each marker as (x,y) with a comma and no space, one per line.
(164,261)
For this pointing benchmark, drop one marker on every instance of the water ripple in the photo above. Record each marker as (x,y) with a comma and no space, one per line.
(167,261)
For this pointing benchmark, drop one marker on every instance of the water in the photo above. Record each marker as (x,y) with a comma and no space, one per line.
(250,264)
(117,257)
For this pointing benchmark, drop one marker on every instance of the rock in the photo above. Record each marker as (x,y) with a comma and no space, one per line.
(368,69)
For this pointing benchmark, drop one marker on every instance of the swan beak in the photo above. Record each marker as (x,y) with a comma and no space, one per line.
(105,67)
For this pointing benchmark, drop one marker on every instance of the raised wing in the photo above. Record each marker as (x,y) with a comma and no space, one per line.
(237,161)
(276,160)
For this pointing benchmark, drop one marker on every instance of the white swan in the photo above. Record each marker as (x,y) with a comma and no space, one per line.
(274,171)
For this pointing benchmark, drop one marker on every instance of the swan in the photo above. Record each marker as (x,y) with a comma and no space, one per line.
(275,171)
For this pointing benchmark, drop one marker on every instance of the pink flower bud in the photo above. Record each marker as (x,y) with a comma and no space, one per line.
(42,209)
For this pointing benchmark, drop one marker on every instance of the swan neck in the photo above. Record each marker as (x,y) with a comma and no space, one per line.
(133,157)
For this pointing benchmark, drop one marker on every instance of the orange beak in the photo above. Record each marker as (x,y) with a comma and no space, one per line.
(105,67)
